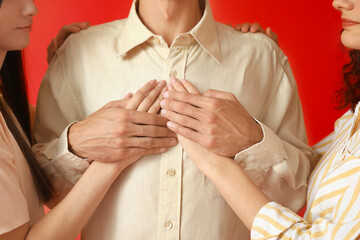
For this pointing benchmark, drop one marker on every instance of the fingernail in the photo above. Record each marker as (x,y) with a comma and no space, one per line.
(129,95)
(162,149)
(173,142)
(164,89)
(170,124)
(161,84)
(162,103)
(152,82)
(170,86)
(163,111)
(173,80)
(166,94)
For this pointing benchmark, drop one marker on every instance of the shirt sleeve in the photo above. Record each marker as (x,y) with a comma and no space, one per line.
(277,222)
(13,206)
(57,109)
(281,163)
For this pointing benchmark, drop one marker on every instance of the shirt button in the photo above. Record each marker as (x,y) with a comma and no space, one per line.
(173,73)
(157,41)
(168,225)
(171,172)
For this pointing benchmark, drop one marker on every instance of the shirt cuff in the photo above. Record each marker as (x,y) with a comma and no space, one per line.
(61,159)
(273,220)
(260,157)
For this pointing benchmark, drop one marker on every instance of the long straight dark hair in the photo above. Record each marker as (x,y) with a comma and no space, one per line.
(14,90)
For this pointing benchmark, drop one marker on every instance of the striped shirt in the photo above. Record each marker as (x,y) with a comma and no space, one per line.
(333,199)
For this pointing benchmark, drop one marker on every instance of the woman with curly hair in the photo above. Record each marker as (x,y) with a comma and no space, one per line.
(24,186)
(333,196)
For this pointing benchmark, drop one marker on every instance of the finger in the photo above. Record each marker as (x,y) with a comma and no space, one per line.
(51,49)
(189,87)
(128,96)
(141,94)
(185,132)
(118,104)
(238,27)
(245,27)
(136,130)
(180,107)
(256,27)
(155,107)
(131,152)
(182,120)
(151,97)
(219,94)
(272,35)
(193,99)
(83,25)
(149,142)
(143,118)
(177,85)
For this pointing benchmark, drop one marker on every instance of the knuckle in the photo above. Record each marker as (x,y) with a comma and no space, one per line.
(119,142)
(210,142)
(121,130)
(215,103)
(181,107)
(211,118)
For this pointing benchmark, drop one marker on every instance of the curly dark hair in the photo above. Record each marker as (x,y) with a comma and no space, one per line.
(349,94)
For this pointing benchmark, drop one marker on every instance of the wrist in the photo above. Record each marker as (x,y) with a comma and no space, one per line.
(256,135)
(109,169)
(71,140)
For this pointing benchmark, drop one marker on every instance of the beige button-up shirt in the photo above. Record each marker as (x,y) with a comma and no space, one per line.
(165,196)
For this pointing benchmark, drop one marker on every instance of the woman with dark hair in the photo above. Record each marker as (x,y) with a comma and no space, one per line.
(333,197)
(24,187)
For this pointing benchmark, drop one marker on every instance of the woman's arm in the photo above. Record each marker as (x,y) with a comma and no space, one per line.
(60,38)
(66,220)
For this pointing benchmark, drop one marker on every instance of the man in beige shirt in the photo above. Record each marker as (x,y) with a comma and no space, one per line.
(164,196)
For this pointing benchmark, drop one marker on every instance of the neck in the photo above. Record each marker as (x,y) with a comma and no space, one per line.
(169,18)
(2,57)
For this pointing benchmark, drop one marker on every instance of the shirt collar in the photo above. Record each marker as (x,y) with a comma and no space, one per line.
(205,33)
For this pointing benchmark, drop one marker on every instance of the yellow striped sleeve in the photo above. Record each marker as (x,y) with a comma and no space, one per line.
(276,222)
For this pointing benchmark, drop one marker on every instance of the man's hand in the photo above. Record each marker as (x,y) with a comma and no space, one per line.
(60,38)
(215,120)
(118,132)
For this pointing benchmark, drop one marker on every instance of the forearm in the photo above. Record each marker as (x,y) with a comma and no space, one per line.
(245,198)
(280,168)
(68,218)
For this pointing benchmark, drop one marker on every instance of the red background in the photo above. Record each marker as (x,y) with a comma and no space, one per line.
(309,33)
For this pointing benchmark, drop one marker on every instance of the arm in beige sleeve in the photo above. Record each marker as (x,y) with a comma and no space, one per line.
(57,109)
(281,163)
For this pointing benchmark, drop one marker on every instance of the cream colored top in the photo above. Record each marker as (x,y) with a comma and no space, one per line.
(333,199)
(19,202)
(165,196)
